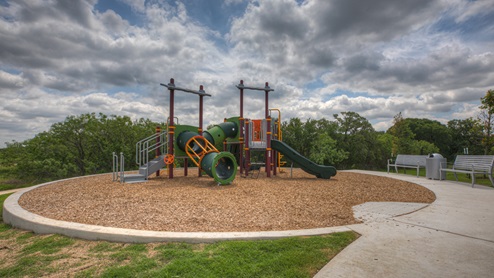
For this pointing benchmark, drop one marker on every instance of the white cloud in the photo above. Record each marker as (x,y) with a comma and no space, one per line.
(466,10)
(11,81)
(387,56)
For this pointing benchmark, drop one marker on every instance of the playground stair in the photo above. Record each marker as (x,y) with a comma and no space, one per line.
(145,170)
(144,150)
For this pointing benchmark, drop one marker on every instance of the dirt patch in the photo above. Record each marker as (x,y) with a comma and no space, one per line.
(197,204)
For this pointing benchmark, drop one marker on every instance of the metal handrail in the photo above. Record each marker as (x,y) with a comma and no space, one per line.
(115,167)
(139,147)
(150,144)
(122,167)
(118,167)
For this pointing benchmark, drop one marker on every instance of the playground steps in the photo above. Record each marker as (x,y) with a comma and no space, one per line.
(144,171)
(134,178)
(152,166)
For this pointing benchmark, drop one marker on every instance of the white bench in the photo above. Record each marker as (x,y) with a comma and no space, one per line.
(472,164)
(408,161)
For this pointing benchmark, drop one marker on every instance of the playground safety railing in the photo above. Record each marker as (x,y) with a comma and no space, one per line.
(118,168)
(150,144)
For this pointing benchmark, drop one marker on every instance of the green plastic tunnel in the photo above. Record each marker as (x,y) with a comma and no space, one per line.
(218,133)
(184,137)
(221,166)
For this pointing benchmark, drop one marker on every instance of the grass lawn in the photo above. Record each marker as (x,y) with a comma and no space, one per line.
(24,254)
(479,179)
(8,182)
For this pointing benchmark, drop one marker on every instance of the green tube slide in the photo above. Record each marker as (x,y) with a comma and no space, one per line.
(221,166)
(320,171)
(218,133)
(184,137)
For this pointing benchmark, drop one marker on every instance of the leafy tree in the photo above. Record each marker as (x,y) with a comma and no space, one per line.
(325,151)
(486,116)
(311,137)
(384,150)
(79,145)
(467,133)
(423,147)
(293,134)
(431,131)
(357,137)
(402,136)
(10,154)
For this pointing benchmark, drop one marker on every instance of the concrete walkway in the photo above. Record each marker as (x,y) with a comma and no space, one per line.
(10,191)
(452,237)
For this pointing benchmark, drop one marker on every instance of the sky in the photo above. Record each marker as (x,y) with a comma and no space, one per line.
(424,58)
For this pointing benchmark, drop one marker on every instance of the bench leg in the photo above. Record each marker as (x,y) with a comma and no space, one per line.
(418,171)
(473,178)
(396,169)
(456,177)
(490,178)
(388,169)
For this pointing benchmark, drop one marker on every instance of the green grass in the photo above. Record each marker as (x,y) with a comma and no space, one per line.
(47,245)
(291,257)
(2,199)
(30,255)
(8,181)
(479,179)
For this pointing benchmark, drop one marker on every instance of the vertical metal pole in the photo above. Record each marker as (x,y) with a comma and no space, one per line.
(268,152)
(224,141)
(242,125)
(247,151)
(158,144)
(122,167)
(274,154)
(171,126)
(275,161)
(201,107)
(114,167)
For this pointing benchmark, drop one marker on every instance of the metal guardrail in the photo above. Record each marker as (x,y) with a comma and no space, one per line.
(118,167)
(143,149)
(150,144)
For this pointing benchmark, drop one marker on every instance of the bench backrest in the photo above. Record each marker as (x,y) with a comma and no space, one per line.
(409,159)
(477,162)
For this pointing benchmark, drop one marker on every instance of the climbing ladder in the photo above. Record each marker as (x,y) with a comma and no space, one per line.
(278,135)
(197,147)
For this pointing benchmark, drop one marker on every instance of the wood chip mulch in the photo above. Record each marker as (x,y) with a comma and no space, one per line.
(197,204)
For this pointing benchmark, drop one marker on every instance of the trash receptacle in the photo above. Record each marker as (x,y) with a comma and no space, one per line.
(433,166)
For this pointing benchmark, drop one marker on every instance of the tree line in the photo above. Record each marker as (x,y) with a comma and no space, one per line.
(350,141)
(82,145)
(78,146)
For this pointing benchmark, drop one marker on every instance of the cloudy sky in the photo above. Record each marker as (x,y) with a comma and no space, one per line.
(424,58)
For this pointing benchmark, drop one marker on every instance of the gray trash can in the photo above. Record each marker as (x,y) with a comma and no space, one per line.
(433,165)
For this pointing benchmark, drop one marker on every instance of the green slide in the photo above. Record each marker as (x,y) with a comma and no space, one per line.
(320,171)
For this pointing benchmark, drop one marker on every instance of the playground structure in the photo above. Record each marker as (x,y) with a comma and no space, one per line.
(237,138)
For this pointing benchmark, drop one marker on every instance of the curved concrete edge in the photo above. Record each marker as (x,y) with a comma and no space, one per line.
(16,216)
(376,211)
(451,237)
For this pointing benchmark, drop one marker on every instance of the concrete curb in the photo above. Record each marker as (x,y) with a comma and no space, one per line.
(18,217)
